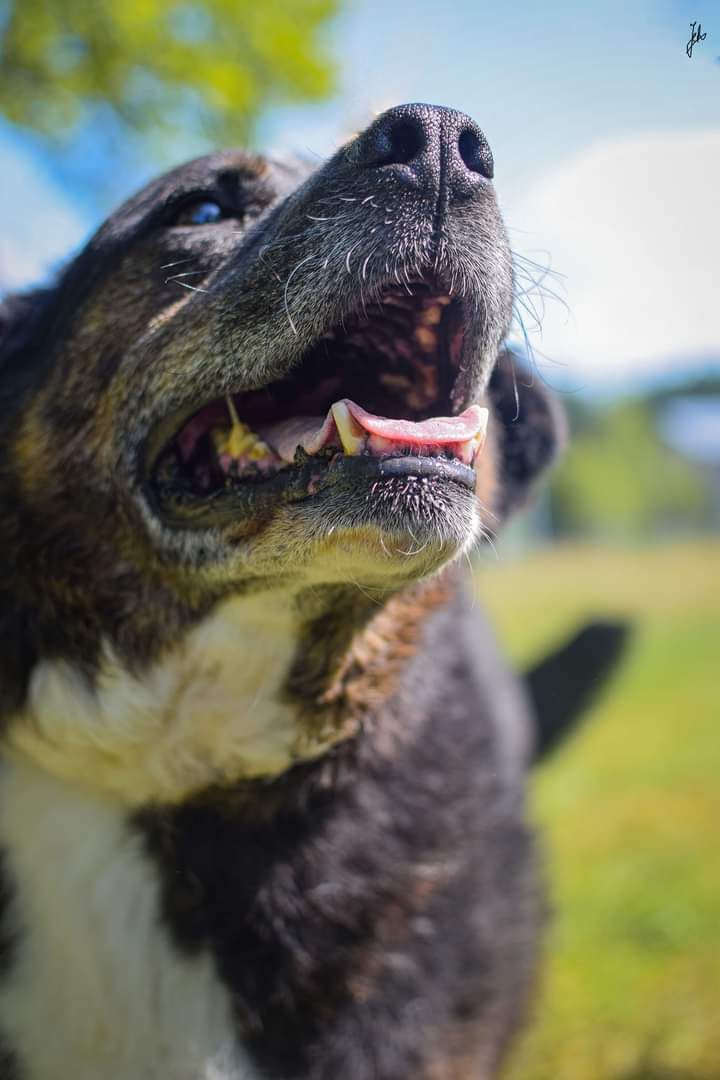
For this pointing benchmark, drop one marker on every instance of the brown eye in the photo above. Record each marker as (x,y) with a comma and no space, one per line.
(201,212)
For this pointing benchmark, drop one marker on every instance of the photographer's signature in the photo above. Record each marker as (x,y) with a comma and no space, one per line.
(695,37)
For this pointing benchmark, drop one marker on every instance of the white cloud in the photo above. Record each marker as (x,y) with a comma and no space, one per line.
(39,226)
(634,224)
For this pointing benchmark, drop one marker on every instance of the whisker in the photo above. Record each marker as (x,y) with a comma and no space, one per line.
(287,286)
(166,266)
(184,285)
(188,273)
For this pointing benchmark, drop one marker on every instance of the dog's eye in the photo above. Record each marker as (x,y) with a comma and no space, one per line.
(200,212)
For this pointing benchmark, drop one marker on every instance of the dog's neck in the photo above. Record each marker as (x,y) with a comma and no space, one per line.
(262,683)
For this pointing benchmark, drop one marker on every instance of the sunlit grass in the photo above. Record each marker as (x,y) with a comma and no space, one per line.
(630,815)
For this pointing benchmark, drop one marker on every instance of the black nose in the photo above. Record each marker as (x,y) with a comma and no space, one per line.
(427,147)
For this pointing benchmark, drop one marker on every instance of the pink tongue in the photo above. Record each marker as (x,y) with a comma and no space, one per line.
(313,433)
(437,431)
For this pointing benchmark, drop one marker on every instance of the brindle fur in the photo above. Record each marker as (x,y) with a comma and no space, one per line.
(374,913)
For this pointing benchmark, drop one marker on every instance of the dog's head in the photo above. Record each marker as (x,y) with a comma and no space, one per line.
(256,373)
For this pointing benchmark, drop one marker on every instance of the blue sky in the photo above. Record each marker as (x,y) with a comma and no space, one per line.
(607,146)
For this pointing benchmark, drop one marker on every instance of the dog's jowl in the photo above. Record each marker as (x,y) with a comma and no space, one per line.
(261,791)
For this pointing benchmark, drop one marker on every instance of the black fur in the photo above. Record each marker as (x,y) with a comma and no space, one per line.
(343,925)
(374,914)
(533,430)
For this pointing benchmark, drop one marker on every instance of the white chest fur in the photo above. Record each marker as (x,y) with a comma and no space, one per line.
(211,711)
(96,989)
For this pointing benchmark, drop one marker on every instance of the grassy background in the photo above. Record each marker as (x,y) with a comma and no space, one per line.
(630,814)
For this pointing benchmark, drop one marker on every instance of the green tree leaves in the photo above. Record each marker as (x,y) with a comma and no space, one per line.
(160,66)
(619,479)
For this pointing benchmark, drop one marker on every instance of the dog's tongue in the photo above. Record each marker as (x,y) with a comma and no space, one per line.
(353,424)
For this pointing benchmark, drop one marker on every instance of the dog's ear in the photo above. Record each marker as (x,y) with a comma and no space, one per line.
(530,428)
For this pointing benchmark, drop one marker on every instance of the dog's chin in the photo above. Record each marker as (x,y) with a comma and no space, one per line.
(380,533)
(383,534)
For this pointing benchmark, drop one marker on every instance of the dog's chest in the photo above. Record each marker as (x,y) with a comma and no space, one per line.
(94,987)
(210,711)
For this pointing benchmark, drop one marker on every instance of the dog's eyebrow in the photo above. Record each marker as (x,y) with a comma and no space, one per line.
(236,185)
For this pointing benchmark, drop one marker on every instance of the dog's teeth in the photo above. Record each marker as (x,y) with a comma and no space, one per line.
(239,441)
(238,432)
(352,436)
(467,451)
(259,450)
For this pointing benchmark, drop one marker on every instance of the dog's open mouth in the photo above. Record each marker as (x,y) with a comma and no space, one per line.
(372,398)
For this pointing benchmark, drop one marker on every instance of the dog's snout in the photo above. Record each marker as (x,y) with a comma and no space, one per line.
(427,147)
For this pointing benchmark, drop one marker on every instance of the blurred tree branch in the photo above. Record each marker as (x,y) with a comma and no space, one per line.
(206,70)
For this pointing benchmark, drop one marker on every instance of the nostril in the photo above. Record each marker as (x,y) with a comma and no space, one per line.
(398,142)
(475,153)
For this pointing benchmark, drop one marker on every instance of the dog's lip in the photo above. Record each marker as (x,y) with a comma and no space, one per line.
(165,426)
(307,478)
(252,498)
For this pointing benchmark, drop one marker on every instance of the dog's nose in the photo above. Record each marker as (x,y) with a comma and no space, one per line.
(427,147)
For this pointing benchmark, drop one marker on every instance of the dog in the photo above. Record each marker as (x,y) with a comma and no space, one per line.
(263,766)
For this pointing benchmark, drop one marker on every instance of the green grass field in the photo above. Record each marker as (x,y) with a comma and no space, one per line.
(630,815)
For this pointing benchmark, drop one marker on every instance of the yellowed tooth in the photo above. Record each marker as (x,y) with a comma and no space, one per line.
(469,449)
(258,451)
(238,432)
(473,446)
(352,436)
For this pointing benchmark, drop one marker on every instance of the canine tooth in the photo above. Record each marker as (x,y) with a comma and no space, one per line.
(469,450)
(466,450)
(352,436)
(238,432)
